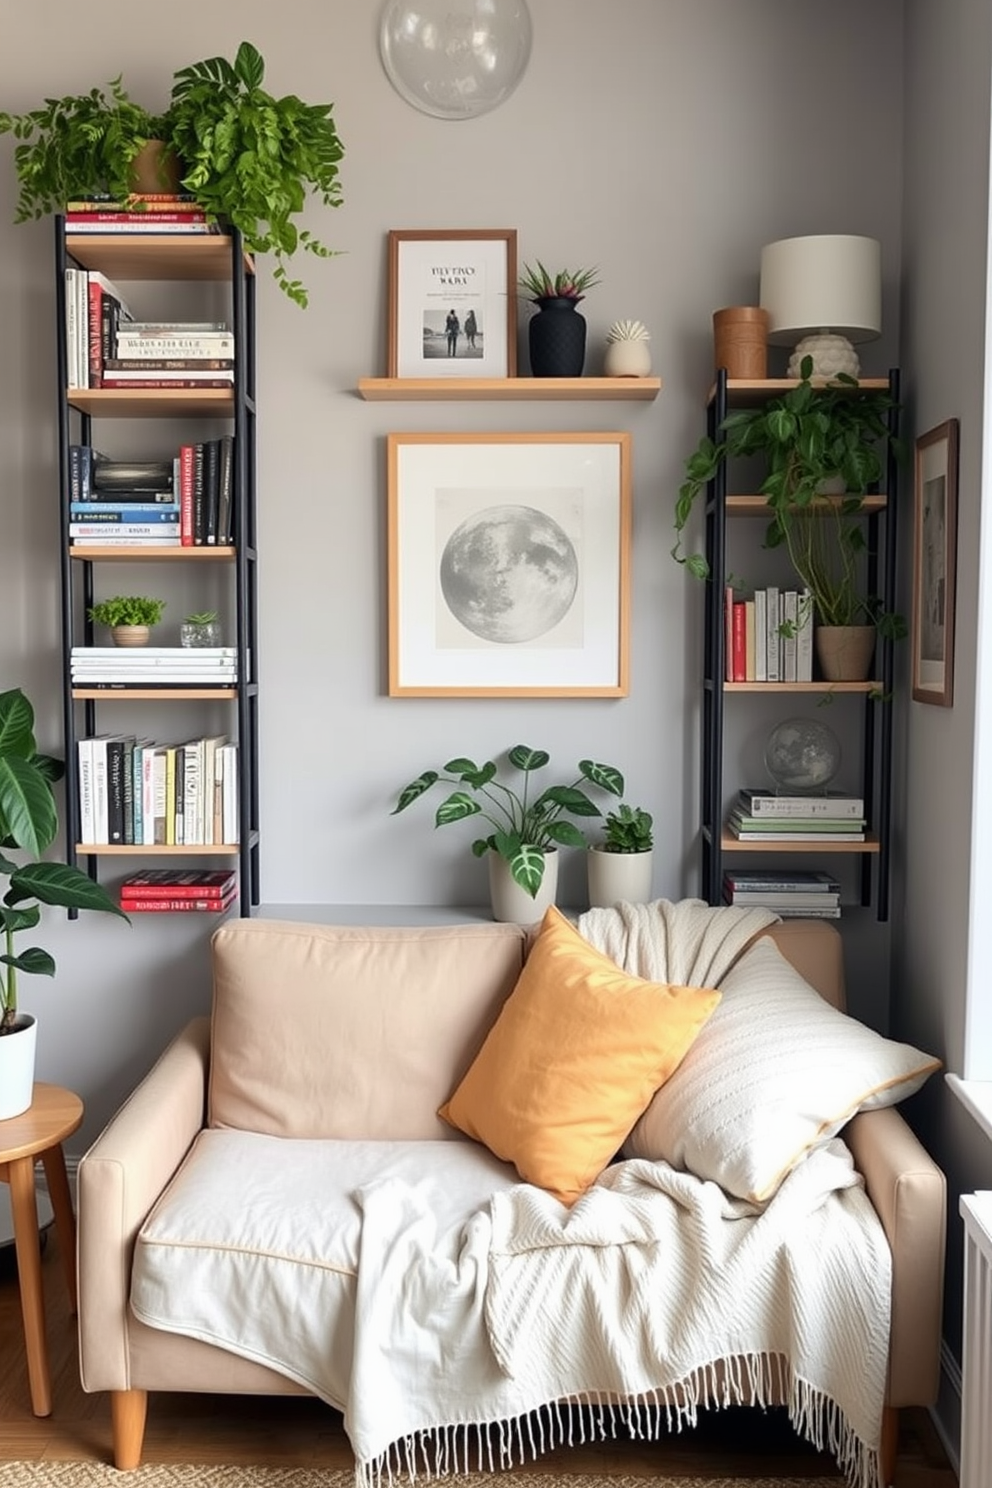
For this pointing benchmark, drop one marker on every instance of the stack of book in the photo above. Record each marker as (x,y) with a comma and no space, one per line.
(107,348)
(791,894)
(183,501)
(142,213)
(138,793)
(177,891)
(763,816)
(121,667)
(769,637)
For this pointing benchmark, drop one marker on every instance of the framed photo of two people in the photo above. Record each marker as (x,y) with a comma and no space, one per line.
(452,303)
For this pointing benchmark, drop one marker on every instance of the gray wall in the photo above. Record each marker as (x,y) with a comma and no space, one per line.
(944,310)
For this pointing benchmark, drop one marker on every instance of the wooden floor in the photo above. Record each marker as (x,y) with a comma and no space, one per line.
(288,1431)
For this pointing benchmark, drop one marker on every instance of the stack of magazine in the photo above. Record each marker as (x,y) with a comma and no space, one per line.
(791,894)
(830,816)
(119,667)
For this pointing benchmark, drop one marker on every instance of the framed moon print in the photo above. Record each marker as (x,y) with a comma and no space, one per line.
(452,303)
(509,564)
(935,523)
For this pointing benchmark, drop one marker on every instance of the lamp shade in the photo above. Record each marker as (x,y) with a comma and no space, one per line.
(828,283)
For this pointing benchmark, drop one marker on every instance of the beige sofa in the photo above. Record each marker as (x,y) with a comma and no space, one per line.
(361,1034)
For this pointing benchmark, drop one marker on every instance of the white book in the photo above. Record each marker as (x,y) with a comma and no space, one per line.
(101,819)
(230,793)
(148,795)
(71,351)
(774,639)
(192,787)
(83,328)
(760,635)
(86,821)
(199,653)
(790,606)
(804,638)
(211,745)
(159,793)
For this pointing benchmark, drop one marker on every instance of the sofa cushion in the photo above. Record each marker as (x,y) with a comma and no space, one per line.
(353,1032)
(572,1060)
(775,1073)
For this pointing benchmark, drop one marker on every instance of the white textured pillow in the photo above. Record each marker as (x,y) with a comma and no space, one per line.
(774,1073)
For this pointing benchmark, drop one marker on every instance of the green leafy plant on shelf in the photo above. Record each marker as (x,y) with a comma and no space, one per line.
(29,822)
(252,159)
(628,829)
(811,437)
(127,609)
(80,145)
(567,284)
(523,828)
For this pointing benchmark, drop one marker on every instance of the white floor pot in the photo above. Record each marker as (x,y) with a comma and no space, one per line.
(510,902)
(17,1051)
(618,877)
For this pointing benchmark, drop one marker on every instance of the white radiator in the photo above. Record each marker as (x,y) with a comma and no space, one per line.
(976,1364)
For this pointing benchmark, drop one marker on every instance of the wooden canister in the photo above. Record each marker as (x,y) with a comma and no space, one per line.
(740,341)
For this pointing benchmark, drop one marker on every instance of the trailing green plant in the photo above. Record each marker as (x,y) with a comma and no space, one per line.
(809,436)
(568,284)
(523,828)
(79,145)
(253,159)
(29,822)
(628,830)
(127,609)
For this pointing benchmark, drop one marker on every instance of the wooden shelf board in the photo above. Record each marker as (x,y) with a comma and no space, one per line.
(146,552)
(153,402)
(742,390)
(729,843)
(507,389)
(757,506)
(102,850)
(151,694)
(802,687)
(155,255)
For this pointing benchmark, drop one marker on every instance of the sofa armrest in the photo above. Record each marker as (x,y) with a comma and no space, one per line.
(909,1194)
(119,1180)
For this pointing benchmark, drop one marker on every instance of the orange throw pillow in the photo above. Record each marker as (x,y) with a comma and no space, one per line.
(573,1060)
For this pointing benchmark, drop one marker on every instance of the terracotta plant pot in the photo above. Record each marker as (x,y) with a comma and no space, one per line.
(845,651)
(155,169)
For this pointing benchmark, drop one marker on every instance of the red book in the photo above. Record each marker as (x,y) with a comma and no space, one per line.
(728,634)
(192,883)
(740,642)
(193,215)
(94,332)
(138,383)
(177,906)
(187,459)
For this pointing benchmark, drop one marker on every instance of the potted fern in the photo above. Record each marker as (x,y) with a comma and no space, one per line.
(29,824)
(620,867)
(824,448)
(526,831)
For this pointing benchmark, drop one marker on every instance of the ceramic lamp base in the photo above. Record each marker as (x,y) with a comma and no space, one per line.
(831,356)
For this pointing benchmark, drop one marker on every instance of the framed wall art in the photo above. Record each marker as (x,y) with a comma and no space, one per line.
(508,564)
(452,303)
(935,521)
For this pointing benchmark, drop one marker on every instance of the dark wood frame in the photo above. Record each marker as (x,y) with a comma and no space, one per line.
(507,291)
(934,576)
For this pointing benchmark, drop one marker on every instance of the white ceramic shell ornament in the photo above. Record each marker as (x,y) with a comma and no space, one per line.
(627,351)
(455,59)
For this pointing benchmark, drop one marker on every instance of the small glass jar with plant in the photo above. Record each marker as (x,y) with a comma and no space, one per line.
(200,629)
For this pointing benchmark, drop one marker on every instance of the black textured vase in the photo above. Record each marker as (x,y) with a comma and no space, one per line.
(557,338)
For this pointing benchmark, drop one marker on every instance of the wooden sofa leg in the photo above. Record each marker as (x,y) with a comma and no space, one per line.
(889,1445)
(128,1409)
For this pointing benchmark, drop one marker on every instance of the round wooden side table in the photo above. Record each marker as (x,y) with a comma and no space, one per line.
(53,1115)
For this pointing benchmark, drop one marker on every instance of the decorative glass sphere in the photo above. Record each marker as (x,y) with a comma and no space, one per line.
(802,754)
(455,58)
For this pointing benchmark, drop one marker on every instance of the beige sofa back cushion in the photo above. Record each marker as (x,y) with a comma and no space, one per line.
(354,1032)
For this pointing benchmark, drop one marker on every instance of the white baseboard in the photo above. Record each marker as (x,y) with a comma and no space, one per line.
(946,1414)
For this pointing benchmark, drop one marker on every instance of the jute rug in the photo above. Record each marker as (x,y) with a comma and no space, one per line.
(98,1475)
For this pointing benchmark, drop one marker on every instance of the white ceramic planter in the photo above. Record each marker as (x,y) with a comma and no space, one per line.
(627,359)
(17,1051)
(616,878)
(510,902)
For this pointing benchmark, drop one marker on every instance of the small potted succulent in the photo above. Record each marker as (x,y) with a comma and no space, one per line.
(557,333)
(129,616)
(200,629)
(29,823)
(526,832)
(620,866)
(627,351)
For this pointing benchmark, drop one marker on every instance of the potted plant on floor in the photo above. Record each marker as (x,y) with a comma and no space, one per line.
(526,832)
(129,616)
(29,822)
(824,448)
(84,144)
(620,866)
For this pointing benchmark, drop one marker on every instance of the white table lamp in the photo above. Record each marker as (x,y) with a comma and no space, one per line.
(826,290)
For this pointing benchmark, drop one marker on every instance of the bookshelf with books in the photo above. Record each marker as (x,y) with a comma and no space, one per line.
(181,492)
(757,635)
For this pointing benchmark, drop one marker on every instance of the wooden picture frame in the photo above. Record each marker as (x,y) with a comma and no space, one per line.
(509,564)
(470,275)
(935,521)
